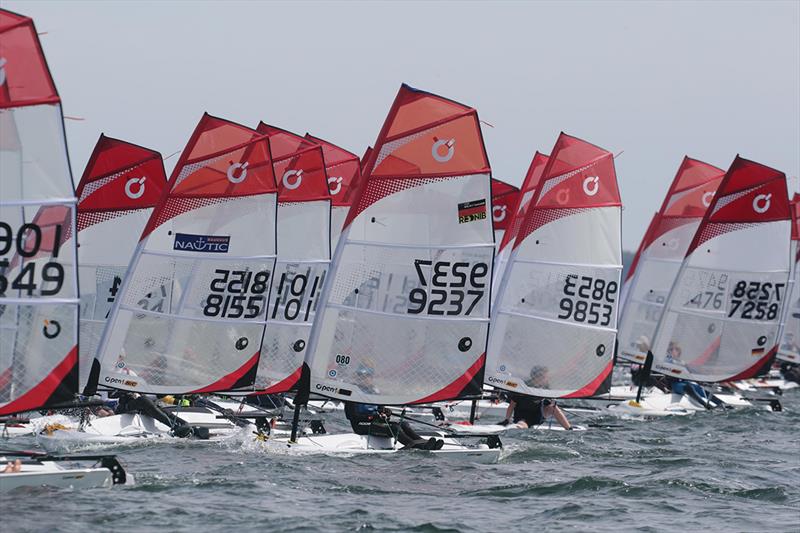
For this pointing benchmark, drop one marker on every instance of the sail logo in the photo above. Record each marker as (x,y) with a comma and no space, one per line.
(472,211)
(335,185)
(707,197)
(591,185)
(761,203)
(3,62)
(134,188)
(216,244)
(443,150)
(292,179)
(51,329)
(237,172)
(499,213)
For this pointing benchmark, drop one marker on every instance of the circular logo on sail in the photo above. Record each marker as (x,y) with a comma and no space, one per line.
(292,179)
(332,372)
(443,150)
(600,350)
(761,203)
(241,343)
(299,345)
(51,329)
(3,62)
(562,196)
(672,244)
(499,213)
(591,185)
(335,185)
(134,188)
(237,172)
(707,197)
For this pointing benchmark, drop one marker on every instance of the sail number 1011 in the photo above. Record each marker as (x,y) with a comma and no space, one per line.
(456,288)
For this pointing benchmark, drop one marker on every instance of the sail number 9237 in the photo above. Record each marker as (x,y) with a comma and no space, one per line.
(456,288)
(588,300)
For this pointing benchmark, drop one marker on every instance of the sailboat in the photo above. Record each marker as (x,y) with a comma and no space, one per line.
(38,278)
(504,198)
(406,304)
(119,188)
(559,291)
(722,318)
(191,310)
(789,349)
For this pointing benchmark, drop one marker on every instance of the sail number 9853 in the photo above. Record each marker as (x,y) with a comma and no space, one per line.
(588,300)
(457,288)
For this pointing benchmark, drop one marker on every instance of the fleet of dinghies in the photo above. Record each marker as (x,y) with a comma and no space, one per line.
(272,263)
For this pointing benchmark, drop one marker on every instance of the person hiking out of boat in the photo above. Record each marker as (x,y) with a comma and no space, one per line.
(132,402)
(529,411)
(374,420)
(696,392)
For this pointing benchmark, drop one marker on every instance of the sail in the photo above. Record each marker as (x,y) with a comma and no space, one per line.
(722,316)
(523,200)
(663,251)
(344,172)
(554,325)
(629,275)
(120,187)
(38,281)
(504,198)
(789,349)
(191,311)
(404,316)
(304,254)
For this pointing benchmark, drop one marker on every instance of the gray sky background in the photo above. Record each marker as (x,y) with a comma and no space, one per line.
(655,79)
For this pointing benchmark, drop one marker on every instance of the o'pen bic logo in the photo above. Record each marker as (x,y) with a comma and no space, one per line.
(232,172)
(290,183)
(761,203)
(499,213)
(436,150)
(591,185)
(51,332)
(138,183)
(3,62)
(335,185)
(217,244)
(707,197)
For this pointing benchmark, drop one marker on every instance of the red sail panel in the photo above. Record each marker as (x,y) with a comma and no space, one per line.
(343,169)
(527,189)
(24,76)
(504,198)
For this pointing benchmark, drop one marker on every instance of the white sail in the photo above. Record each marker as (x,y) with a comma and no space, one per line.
(38,281)
(191,312)
(554,325)
(662,251)
(722,316)
(116,195)
(304,253)
(405,313)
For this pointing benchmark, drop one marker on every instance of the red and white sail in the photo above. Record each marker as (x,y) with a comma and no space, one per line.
(722,317)
(662,252)
(405,313)
(505,197)
(119,188)
(522,201)
(631,273)
(344,172)
(304,255)
(38,280)
(191,312)
(554,324)
(789,349)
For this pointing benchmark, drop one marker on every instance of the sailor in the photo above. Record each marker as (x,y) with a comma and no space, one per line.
(374,420)
(697,393)
(790,372)
(529,411)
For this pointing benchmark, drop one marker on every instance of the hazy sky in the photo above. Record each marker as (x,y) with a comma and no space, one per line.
(655,79)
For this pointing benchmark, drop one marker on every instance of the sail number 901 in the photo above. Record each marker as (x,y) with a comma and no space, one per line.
(458,288)
(588,301)
(27,243)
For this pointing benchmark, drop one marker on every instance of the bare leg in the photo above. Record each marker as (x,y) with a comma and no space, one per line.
(522,424)
(558,414)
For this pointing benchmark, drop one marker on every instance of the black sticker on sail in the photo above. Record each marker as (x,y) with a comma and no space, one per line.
(472,211)
(217,244)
